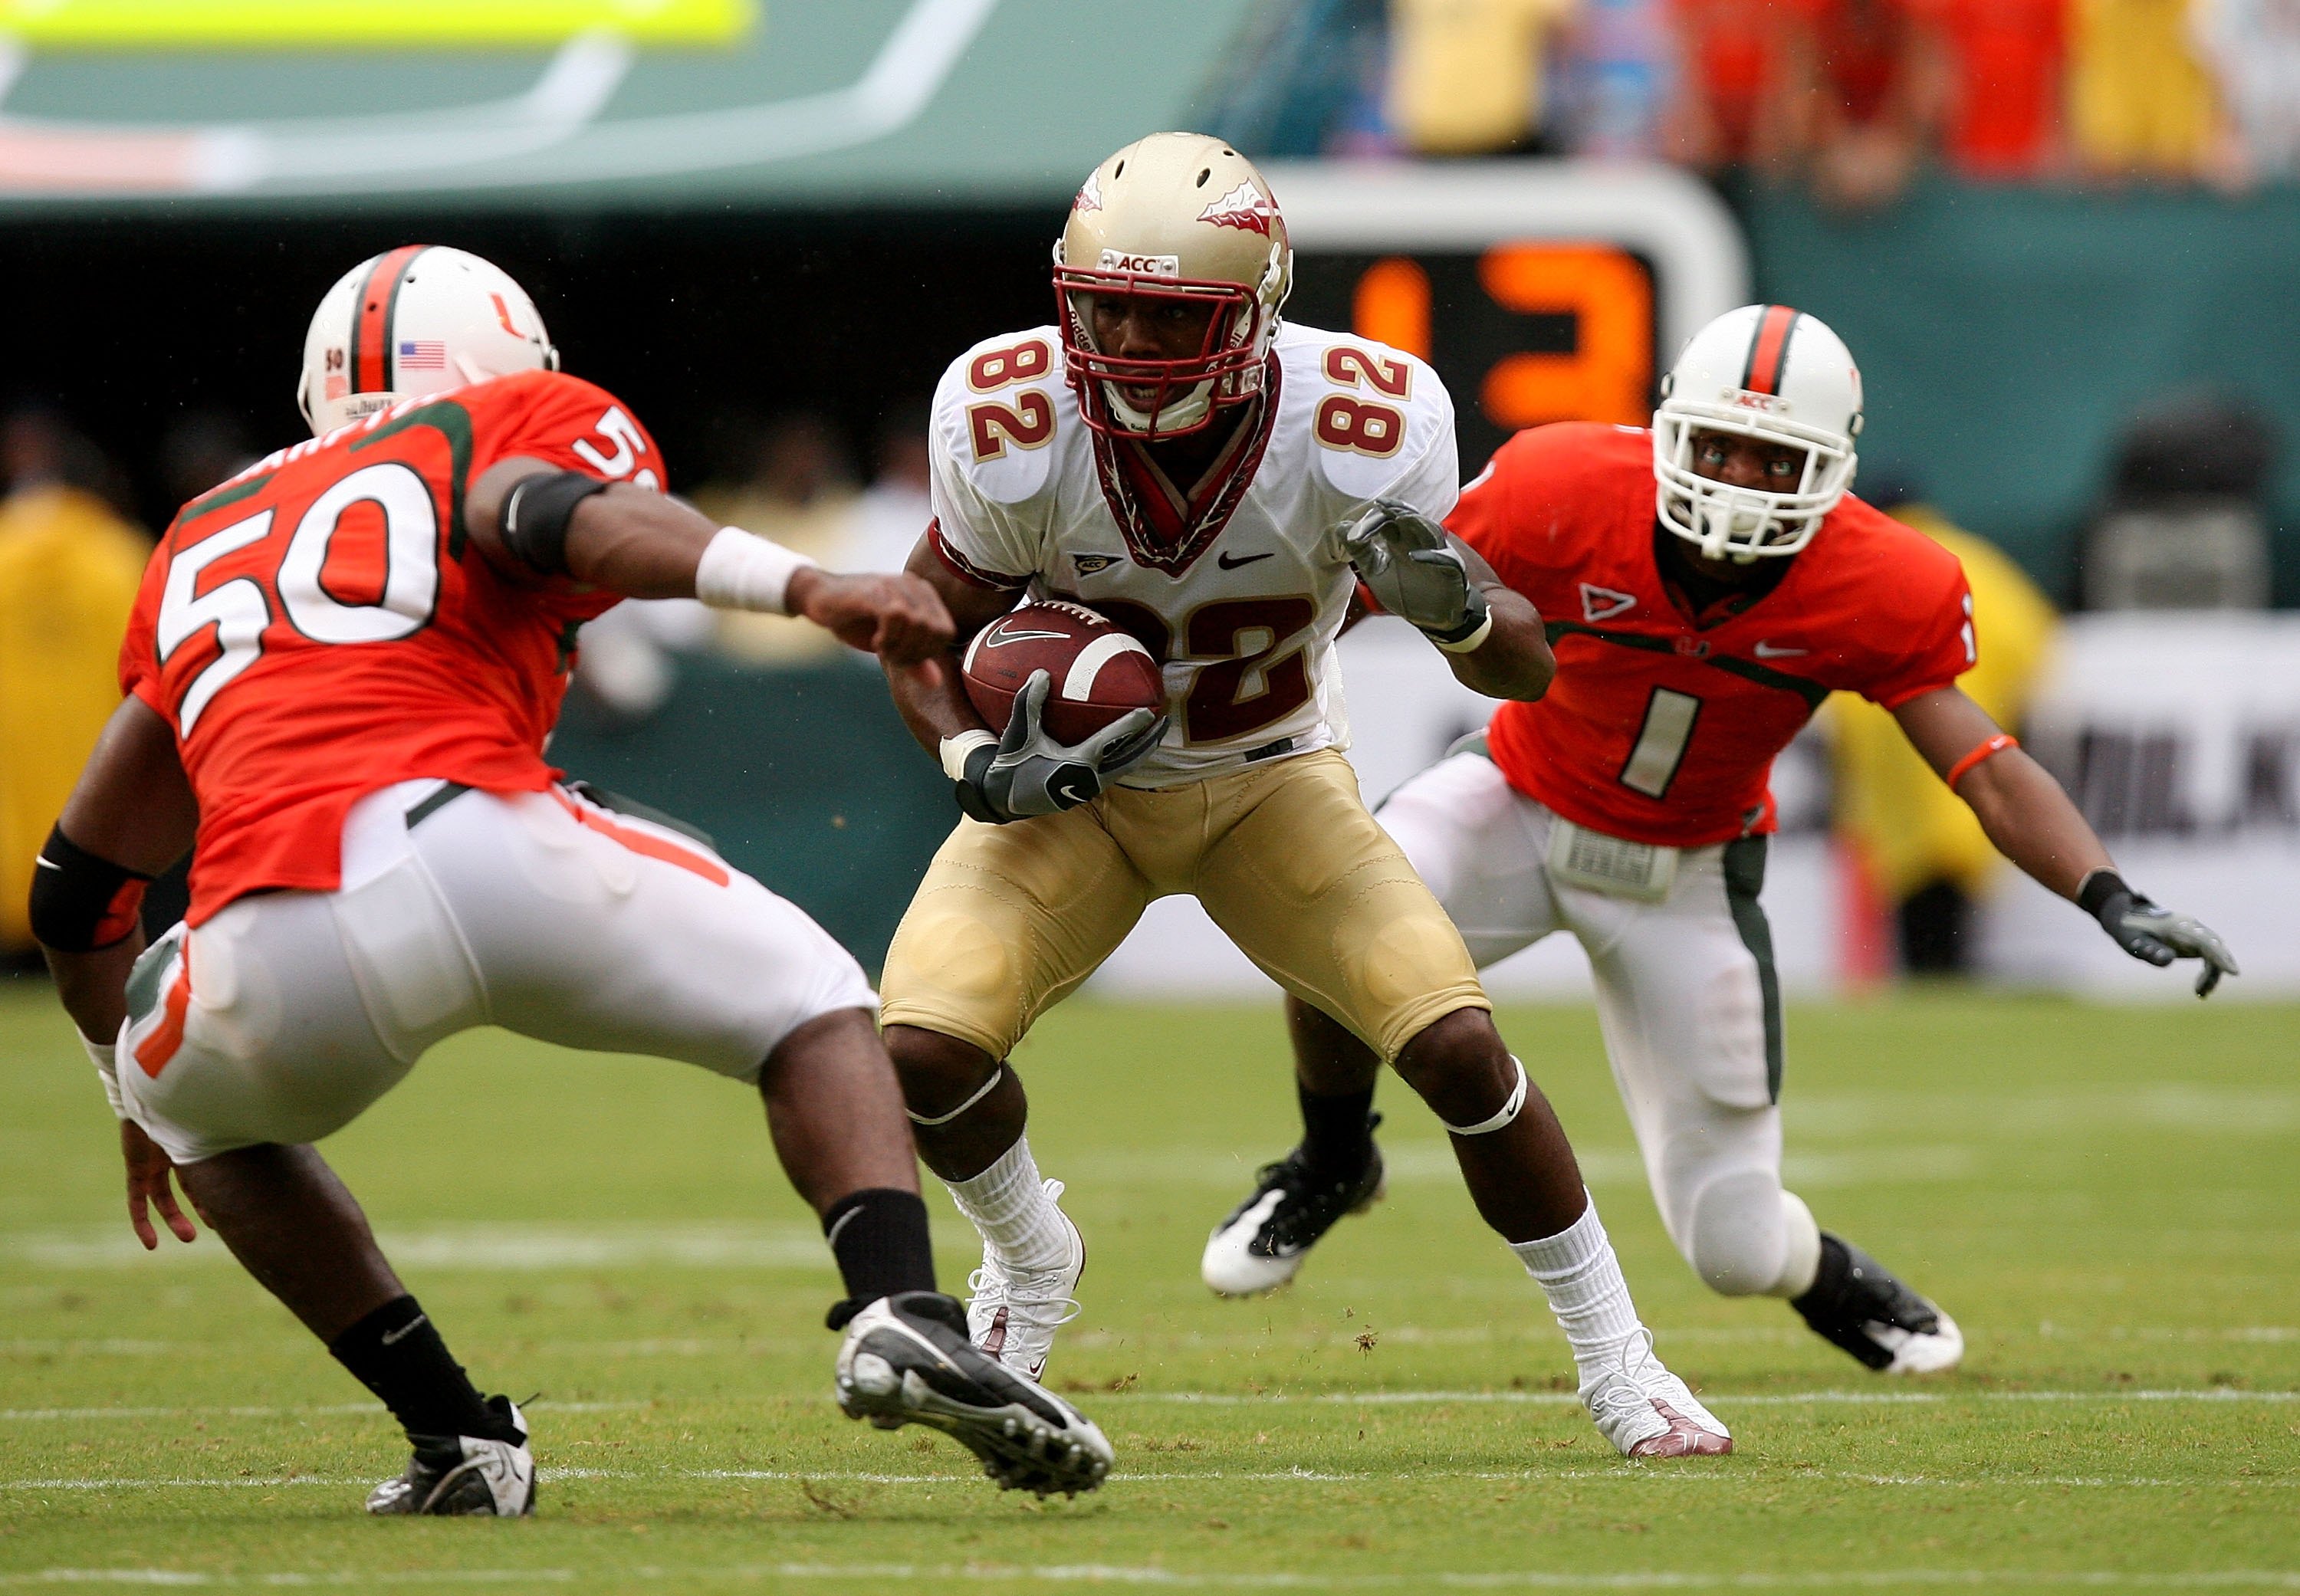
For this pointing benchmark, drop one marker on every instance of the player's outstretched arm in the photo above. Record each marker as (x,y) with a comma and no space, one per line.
(2032,823)
(1491,635)
(528,516)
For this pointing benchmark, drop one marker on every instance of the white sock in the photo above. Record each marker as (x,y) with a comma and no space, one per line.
(1802,1248)
(1008,1203)
(1582,1279)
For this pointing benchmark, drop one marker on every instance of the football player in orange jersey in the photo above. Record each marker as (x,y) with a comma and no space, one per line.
(1695,630)
(340,675)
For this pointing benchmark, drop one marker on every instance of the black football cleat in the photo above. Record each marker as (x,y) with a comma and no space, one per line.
(1260,1246)
(464,1476)
(1860,1305)
(907,1360)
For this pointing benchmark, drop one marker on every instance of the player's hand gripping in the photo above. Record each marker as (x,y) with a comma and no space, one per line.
(898,618)
(1413,569)
(149,1173)
(2158,936)
(1028,773)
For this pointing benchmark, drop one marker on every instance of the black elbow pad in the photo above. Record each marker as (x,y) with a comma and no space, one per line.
(81,903)
(535,516)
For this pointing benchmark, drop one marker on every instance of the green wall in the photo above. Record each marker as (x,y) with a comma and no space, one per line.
(804,777)
(2007,333)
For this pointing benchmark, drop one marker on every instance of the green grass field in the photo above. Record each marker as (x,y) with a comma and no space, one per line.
(2109,1202)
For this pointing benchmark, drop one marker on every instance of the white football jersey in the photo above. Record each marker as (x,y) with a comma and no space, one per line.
(1242,597)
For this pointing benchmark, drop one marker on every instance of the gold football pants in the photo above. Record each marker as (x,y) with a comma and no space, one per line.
(1012,918)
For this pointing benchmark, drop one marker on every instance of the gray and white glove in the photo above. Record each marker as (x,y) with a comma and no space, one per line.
(2158,936)
(1414,571)
(1026,772)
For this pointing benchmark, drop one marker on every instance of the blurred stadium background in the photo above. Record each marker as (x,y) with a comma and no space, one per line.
(2060,234)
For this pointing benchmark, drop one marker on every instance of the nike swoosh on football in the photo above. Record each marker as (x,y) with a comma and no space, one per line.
(1766,651)
(1227,563)
(1001,639)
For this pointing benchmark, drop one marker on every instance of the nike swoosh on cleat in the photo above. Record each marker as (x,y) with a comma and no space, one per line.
(1227,562)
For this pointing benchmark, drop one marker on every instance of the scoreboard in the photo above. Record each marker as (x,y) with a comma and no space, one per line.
(1539,292)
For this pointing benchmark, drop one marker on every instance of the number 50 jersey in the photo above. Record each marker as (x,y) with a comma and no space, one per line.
(321,626)
(1239,585)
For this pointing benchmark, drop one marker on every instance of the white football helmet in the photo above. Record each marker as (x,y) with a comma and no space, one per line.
(410,321)
(1769,372)
(1175,216)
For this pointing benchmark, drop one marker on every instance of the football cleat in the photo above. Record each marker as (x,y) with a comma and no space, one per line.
(1013,1314)
(907,1360)
(1860,1305)
(459,1476)
(1260,1246)
(1647,1412)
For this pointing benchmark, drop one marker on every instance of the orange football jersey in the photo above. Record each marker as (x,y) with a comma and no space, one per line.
(1662,728)
(321,626)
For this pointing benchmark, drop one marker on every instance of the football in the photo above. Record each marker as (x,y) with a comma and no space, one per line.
(1100,673)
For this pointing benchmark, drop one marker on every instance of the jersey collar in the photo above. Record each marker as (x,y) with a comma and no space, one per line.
(1164,530)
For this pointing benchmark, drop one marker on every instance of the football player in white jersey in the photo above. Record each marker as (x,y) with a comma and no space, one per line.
(1216,482)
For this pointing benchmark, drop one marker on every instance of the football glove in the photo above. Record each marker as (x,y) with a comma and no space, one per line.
(1028,773)
(1414,571)
(2158,936)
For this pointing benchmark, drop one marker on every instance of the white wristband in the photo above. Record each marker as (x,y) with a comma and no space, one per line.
(740,570)
(1474,641)
(954,750)
(105,1057)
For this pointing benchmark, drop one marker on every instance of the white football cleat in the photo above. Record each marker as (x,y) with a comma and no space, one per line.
(1264,1241)
(1858,1304)
(1013,1314)
(1647,1412)
(459,1476)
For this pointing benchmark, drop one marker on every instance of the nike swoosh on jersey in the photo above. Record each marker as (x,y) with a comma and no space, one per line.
(1226,563)
(1766,651)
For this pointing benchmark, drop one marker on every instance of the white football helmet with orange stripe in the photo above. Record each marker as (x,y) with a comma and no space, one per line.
(1769,372)
(410,321)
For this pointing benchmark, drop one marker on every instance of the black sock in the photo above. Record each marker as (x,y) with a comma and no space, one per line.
(879,1237)
(396,1353)
(1336,1131)
(1824,1298)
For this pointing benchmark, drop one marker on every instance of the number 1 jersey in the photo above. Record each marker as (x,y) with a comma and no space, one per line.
(1662,726)
(321,626)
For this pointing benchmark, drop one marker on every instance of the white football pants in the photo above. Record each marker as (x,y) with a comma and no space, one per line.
(286,1014)
(1685,998)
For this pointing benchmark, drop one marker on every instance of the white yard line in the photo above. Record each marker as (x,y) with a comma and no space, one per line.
(1631,1474)
(1789,1399)
(76,1415)
(888,1574)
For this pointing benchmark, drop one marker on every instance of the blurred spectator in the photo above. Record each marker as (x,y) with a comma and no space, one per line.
(1745,65)
(201,449)
(1617,78)
(2006,61)
(2253,49)
(2140,103)
(792,482)
(69,567)
(1466,75)
(1925,857)
(892,514)
(2185,524)
(1877,81)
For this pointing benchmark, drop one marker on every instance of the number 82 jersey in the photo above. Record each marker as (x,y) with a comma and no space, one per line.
(1237,583)
(321,626)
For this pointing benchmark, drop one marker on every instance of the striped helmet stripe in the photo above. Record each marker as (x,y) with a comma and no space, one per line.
(1768,350)
(371,362)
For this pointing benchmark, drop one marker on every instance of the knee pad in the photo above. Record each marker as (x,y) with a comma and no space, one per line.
(1737,1233)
